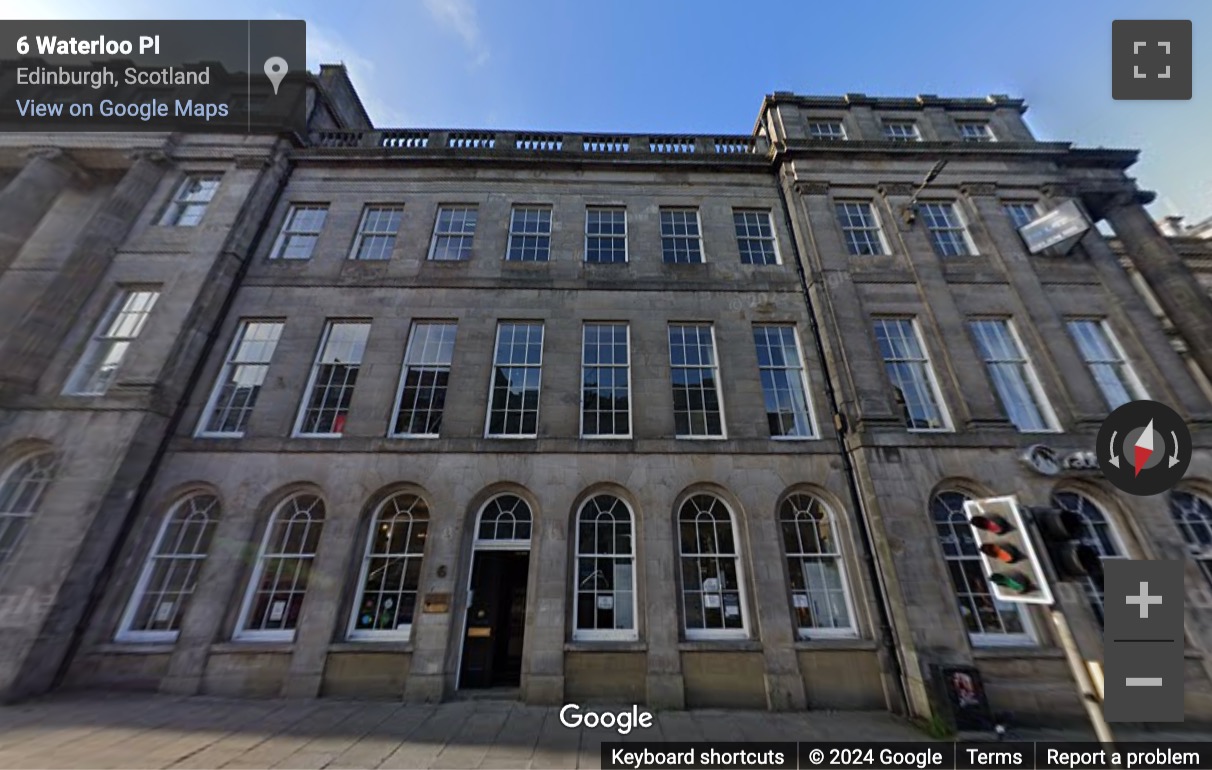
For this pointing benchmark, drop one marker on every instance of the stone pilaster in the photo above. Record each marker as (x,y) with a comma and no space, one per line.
(30,195)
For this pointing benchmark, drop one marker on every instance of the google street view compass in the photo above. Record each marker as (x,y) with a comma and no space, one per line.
(1144,448)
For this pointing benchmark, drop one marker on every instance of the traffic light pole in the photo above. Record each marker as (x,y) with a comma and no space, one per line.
(1081,674)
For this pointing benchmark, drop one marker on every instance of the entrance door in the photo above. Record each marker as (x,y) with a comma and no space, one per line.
(496,620)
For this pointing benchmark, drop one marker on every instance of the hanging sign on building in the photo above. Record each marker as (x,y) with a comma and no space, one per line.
(1046,461)
(1064,223)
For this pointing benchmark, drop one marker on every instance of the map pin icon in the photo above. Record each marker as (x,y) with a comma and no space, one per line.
(275,69)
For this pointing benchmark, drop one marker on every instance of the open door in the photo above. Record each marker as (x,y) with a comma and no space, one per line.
(496,620)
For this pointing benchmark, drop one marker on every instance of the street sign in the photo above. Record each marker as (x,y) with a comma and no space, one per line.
(1058,225)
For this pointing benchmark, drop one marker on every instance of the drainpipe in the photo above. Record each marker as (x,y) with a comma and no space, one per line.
(101,584)
(887,635)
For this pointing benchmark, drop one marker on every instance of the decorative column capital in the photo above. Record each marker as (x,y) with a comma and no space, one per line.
(1059,190)
(812,188)
(891,189)
(59,157)
(979,189)
(156,156)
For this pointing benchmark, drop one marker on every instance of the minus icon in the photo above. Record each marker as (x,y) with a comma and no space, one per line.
(1143,681)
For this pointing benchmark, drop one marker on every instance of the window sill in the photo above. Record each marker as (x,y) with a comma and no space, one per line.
(836,643)
(605,645)
(720,645)
(254,646)
(371,646)
(1006,651)
(134,648)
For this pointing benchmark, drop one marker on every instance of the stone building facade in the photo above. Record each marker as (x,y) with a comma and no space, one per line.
(676,420)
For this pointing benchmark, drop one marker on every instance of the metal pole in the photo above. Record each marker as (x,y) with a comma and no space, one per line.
(1085,687)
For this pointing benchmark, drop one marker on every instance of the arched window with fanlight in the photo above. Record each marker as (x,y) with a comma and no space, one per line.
(279,582)
(605,571)
(1193,515)
(21,489)
(1098,533)
(391,569)
(820,599)
(713,602)
(987,620)
(505,522)
(171,571)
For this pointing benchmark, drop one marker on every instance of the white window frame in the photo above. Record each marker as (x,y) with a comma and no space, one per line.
(588,235)
(104,334)
(513,213)
(985,137)
(212,513)
(399,633)
(815,632)
(927,363)
(225,374)
(828,136)
(363,233)
(504,544)
(773,240)
(604,634)
(809,412)
(960,226)
(288,225)
(846,228)
(42,473)
(176,207)
(630,405)
(243,634)
(404,368)
(715,366)
(317,362)
(492,377)
(1188,516)
(1123,366)
(695,634)
(896,137)
(1032,380)
(433,241)
(1007,206)
(1028,637)
(698,223)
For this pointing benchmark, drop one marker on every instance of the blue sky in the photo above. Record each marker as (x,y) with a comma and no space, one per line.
(644,65)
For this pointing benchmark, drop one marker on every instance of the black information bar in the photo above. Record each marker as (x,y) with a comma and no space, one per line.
(925,755)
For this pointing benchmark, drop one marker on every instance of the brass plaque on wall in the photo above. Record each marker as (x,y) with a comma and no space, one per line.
(479,632)
(436,603)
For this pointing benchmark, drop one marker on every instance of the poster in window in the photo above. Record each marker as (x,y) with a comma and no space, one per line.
(800,601)
(164,611)
(731,608)
(277,611)
(605,602)
(711,585)
(711,601)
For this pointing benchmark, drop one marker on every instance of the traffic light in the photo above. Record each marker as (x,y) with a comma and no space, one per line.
(1061,531)
(1007,556)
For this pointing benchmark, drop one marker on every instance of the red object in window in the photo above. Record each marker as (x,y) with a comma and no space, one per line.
(338,424)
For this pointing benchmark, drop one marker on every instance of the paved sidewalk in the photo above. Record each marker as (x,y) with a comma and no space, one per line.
(93,730)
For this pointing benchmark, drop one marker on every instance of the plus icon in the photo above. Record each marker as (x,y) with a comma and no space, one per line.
(1144,600)
(1151,59)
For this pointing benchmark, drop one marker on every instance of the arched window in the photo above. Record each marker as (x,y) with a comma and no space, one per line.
(391,569)
(605,589)
(21,490)
(279,582)
(819,597)
(170,573)
(1193,515)
(1096,533)
(504,523)
(989,621)
(713,604)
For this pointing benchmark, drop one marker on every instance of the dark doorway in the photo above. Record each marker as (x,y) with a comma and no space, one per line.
(496,620)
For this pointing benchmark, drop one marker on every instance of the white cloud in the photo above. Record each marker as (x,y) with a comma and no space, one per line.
(459,16)
(325,46)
